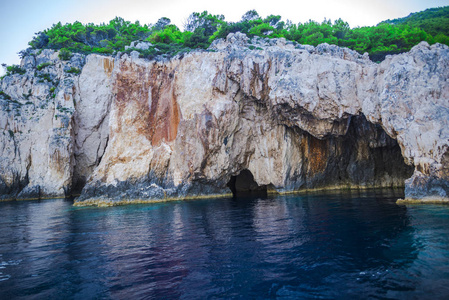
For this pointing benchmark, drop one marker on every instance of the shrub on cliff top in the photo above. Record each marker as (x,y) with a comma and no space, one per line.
(43,65)
(203,28)
(14,69)
(169,35)
(6,96)
(73,70)
(64,54)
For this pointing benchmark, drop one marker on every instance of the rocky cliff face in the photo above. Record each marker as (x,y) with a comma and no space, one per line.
(248,115)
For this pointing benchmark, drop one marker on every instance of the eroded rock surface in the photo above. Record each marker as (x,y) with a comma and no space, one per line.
(287,116)
(54,123)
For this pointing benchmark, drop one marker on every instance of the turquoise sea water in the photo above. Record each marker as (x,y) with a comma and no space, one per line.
(328,246)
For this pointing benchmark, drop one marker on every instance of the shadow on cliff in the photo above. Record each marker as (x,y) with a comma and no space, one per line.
(364,157)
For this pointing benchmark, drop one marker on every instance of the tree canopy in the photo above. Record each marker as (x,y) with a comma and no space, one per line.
(433,20)
(201,29)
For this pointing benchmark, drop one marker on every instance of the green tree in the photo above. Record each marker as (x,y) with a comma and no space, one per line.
(161,23)
(250,15)
(210,23)
(170,34)
(389,37)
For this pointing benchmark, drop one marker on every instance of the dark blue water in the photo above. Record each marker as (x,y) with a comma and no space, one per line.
(341,245)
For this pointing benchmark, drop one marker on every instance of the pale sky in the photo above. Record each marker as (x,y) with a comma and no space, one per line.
(22,18)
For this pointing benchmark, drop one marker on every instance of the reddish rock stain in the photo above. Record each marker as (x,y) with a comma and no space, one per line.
(316,153)
(158,122)
(108,66)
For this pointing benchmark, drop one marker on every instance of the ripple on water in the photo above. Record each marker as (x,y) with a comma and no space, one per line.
(334,245)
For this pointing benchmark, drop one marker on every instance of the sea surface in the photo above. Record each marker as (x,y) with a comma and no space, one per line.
(340,245)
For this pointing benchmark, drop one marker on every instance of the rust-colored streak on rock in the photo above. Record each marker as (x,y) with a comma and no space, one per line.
(152,91)
(176,117)
(255,74)
(317,153)
(108,65)
(164,114)
(57,161)
(423,168)
(259,81)
(444,173)
(132,86)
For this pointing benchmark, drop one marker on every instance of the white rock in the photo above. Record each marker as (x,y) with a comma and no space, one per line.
(186,125)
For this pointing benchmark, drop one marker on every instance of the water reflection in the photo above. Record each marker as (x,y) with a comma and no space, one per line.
(333,245)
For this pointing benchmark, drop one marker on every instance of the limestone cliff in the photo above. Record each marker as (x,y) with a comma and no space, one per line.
(260,114)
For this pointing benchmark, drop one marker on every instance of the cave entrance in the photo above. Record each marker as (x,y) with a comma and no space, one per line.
(244,185)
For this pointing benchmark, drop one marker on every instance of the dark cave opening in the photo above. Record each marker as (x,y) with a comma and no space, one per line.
(78,185)
(244,185)
(364,157)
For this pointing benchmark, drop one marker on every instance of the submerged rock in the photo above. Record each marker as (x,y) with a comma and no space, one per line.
(287,116)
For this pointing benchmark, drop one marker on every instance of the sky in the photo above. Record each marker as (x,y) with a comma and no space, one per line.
(21,19)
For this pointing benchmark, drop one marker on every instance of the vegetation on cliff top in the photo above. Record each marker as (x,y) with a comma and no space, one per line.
(434,21)
(388,37)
